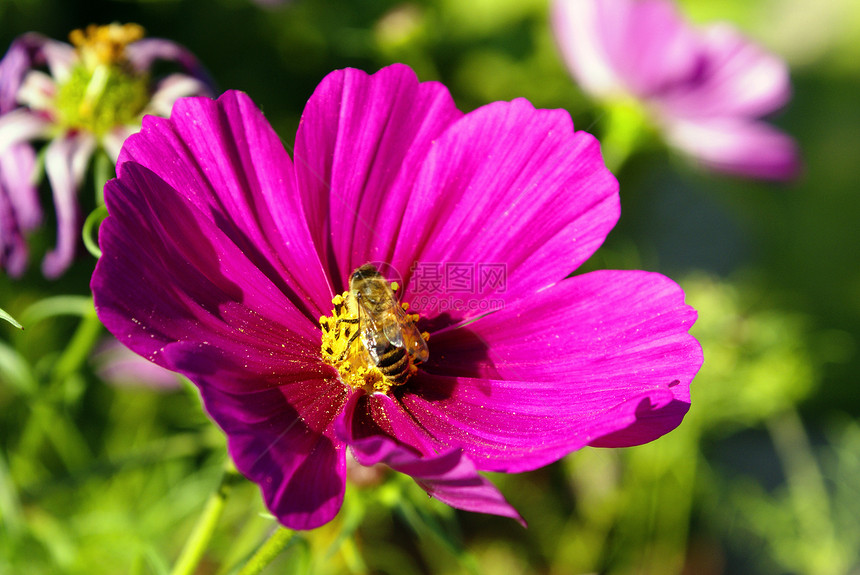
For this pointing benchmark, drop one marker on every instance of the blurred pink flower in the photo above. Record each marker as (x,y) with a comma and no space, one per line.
(117,365)
(706,89)
(92,95)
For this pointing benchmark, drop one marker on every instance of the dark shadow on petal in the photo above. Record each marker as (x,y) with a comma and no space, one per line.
(298,468)
(189,259)
(263,260)
(456,353)
(362,424)
(461,352)
(650,424)
(435,323)
(158,264)
(294,467)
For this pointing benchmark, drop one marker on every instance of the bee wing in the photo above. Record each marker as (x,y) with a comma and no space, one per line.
(372,333)
(393,329)
(410,337)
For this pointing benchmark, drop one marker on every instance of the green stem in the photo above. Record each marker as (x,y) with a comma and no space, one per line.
(79,347)
(48,419)
(103,171)
(625,127)
(807,493)
(352,556)
(199,539)
(10,504)
(56,305)
(273,546)
(93,221)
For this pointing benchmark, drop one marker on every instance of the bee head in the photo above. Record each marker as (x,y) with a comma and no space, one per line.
(369,287)
(365,272)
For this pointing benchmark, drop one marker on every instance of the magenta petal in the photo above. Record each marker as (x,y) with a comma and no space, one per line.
(225,158)
(358,150)
(605,353)
(66,160)
(112,141)
(174,288)
(511,185)
(169,274)
(289,453)
(450,477)
(737,146)
(278,418)
(379,414)
(276,408)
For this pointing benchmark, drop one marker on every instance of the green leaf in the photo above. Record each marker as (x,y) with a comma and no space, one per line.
(15,370)
(10,505)
(75,305)
(9,318)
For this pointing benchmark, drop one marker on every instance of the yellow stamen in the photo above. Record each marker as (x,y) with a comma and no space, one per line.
(343,347)
(105,45)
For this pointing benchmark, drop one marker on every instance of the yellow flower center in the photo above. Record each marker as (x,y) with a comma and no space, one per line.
(103,90)
(345,336)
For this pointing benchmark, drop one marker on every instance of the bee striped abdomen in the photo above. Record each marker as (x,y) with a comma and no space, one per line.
(394,364)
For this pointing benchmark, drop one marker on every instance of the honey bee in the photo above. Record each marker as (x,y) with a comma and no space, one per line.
(392,341)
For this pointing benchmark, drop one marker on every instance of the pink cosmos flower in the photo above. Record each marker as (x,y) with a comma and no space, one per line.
(223,257)
(705,89)
(93,94)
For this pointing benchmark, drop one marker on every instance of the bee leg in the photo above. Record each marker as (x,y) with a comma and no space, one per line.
(352,337)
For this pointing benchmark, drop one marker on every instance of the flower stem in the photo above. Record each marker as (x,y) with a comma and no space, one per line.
(93,221)
(808,496)
(79,347)
(103,171)
(276,543)
(625,127)
(199,539)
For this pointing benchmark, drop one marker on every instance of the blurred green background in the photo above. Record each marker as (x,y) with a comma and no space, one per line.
(762,477)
